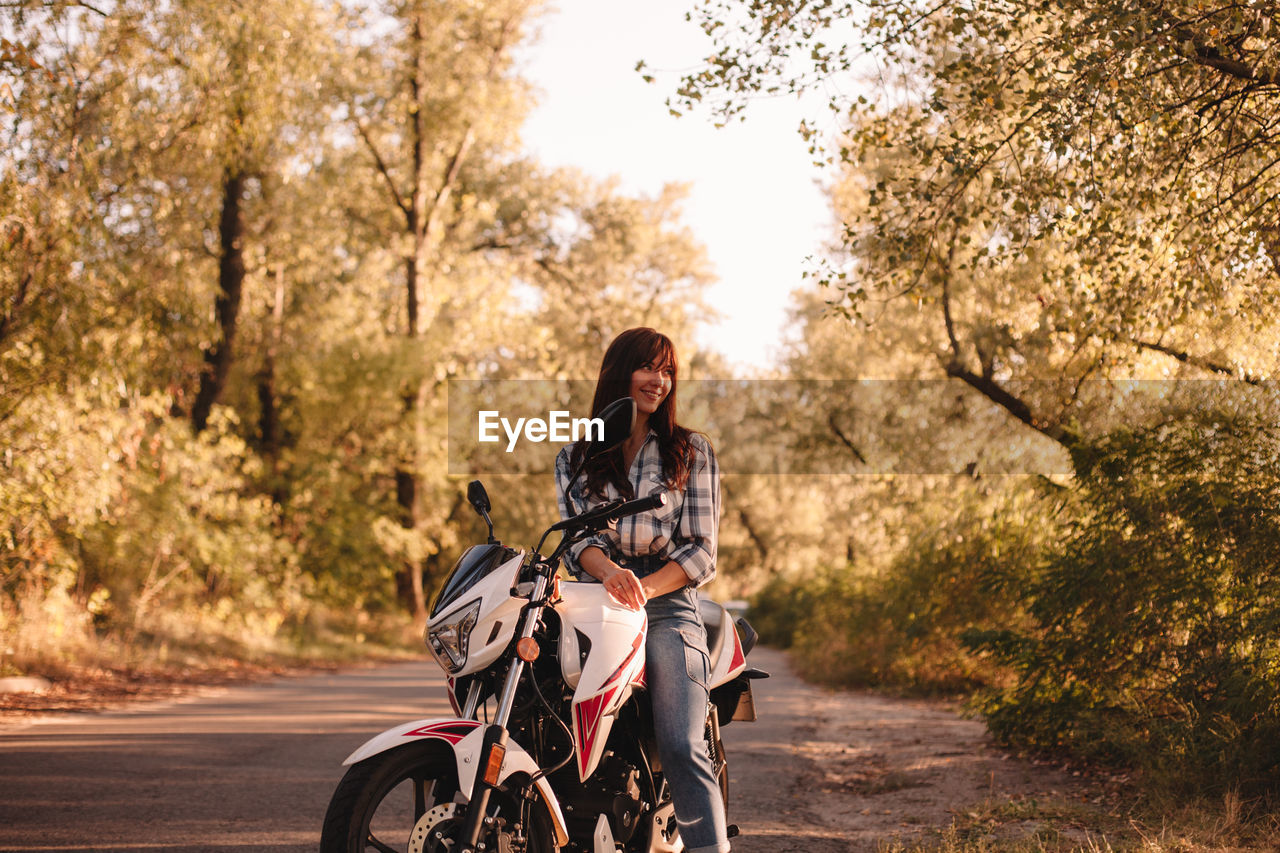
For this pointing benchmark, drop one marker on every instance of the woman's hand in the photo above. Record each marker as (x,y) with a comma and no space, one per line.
(667,579)
(624,587)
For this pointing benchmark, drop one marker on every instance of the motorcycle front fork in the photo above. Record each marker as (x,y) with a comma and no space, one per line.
(494,748)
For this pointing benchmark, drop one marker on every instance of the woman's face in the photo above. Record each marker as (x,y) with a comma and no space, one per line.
(650,385)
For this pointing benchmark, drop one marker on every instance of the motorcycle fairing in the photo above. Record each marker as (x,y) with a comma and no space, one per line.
(453,695)
(614,664)
(499,611)
(465,738)
(728,659)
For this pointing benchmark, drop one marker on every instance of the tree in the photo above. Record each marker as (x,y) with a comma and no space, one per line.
(1073,190)
(445,97)
(235,220)
(1035,196)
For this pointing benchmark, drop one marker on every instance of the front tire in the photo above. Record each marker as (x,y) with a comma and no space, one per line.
(379,800)
(380,804)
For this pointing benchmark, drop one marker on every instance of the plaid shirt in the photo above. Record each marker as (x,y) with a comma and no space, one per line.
(684,530)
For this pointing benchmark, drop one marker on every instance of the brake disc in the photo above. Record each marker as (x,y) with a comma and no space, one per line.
(429,833)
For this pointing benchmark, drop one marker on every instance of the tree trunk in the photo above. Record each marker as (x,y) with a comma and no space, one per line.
(270,433)
(218,358)
(268,408)
(407,497)
(423,207)
(406,474)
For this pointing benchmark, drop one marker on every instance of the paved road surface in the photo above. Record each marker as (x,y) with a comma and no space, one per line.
(235,769)
(250,769)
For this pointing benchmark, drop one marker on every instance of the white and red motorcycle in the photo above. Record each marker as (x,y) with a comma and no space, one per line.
(567,757)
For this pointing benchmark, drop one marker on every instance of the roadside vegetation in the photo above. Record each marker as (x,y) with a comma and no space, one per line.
(1117,824)
(243,251)
(1068,209)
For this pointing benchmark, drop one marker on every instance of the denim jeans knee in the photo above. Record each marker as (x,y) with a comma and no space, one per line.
(678,669)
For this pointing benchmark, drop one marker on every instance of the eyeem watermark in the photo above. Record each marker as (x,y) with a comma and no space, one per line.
(558,427)
(838,426)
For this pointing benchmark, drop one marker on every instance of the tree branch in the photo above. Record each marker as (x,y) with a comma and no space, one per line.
(1199,361)
(1211,58)
(752,534)
(993,391)
(547,267)
(946,302)
(844,439)
(383,170)
(449,180)
(492,243)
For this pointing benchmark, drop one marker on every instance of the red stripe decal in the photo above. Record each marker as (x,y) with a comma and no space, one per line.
(453,695)
(738,659)
(636,645)
(449,730)
(589,712)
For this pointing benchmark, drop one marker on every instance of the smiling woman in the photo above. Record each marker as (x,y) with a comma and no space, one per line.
(656,559)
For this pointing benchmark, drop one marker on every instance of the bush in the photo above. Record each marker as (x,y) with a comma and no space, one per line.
(1156,623)
(779,609)
(902,626)
(134,535)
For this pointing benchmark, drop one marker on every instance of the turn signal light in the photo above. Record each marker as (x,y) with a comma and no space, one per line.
(497,753)
(527,649)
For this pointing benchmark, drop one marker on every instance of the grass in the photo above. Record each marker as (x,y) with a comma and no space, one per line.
(1118,822)
(92,667)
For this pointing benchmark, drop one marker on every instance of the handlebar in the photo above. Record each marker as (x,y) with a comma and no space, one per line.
(600,517)
(641,505)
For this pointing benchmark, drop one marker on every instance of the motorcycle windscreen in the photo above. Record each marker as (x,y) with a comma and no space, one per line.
(475,564)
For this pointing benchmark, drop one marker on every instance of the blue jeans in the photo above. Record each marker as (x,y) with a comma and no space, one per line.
(678,669)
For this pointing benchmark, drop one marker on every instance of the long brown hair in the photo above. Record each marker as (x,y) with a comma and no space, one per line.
(630,351)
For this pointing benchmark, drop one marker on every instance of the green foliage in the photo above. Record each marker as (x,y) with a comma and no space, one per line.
(119,520)
(392,235)
(1155,622)
(1056,191)
(779,609)
(902,626)
(1034,197)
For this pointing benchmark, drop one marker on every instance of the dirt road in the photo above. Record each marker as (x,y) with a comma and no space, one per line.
(825,771)
(251,768)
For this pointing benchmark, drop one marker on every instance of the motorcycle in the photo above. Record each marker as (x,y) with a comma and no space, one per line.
(564,758)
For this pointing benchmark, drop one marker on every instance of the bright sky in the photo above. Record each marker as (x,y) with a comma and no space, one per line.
(754,202)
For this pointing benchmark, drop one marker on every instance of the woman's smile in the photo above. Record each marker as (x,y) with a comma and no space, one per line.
(649,387)
(654,394)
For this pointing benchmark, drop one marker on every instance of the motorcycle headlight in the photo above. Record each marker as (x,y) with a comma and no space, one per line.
(448,639)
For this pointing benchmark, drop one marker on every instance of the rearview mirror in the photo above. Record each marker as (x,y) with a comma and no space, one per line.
(479,500)
(619,418)
(478,497)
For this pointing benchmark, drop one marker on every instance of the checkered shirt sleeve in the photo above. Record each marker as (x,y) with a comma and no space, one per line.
(694,540)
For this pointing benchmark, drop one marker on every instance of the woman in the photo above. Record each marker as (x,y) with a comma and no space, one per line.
(656,560)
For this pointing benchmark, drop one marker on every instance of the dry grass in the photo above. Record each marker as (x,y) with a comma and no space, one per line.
(1110,824)
(53,637)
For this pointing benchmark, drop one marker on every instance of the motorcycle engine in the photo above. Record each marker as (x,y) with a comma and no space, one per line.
(612,790)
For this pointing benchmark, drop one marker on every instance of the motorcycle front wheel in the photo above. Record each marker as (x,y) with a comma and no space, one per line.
(404,801)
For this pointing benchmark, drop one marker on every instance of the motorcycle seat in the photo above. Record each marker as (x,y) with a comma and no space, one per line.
(718,622)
